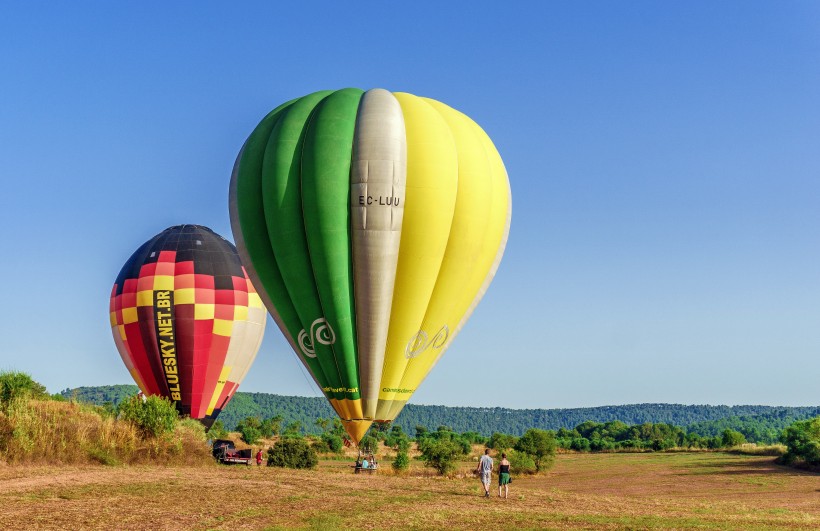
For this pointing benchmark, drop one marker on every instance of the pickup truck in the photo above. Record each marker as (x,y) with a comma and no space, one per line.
(225,452)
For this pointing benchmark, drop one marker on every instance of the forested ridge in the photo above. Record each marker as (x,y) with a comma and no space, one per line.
(757,423)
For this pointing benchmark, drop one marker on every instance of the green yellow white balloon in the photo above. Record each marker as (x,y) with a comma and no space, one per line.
(371,224)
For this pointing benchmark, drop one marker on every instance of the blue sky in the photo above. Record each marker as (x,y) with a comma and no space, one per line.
(663,157)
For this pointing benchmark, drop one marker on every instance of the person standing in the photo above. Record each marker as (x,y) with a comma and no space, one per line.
(504,476)
(259,458)
(485,470)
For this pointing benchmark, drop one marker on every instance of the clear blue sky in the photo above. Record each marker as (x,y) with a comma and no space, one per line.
(664,160)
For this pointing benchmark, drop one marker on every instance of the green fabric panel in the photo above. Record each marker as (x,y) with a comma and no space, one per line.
(255,232)
(326,158)
(282,198)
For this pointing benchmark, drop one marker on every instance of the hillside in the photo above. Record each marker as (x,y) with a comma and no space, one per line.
(757,423)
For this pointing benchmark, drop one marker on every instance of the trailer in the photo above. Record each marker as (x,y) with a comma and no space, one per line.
(226,453)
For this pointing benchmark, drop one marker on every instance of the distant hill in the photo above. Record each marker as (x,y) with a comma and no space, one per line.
(758,423)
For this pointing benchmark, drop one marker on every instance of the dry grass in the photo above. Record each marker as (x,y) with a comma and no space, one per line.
(582,491)
(33,431)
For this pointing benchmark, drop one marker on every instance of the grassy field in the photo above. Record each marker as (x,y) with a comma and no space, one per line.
(582,491)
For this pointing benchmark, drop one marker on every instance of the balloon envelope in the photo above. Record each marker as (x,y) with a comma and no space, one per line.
(372,223)
(186,319)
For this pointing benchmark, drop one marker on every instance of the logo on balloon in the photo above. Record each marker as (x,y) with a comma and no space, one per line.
(320,331)
(420,342)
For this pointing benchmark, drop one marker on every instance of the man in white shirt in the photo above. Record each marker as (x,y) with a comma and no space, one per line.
(485,470)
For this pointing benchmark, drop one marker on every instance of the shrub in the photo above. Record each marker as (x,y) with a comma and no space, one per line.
(153,415)
(18,386)
(802,440)
(332,442)
(401,462)
(292,452)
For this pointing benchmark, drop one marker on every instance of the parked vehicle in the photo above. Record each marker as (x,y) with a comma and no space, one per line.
(225,452)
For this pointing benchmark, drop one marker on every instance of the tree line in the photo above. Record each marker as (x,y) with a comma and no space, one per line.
(758,424)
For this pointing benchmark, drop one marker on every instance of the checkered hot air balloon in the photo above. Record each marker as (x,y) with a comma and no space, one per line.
(372,223)
(186,319)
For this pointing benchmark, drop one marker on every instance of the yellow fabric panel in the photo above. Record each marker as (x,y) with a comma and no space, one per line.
(163,282)
(112,318)
(348,409)
(203,311)
(255,301)
(145,297)
(223,327)
(356,429)
(184,296)
(136,376)
(498,230)
(220,384)
(456,287)
(129,315)
(240,313)
(432,183)
(121,328)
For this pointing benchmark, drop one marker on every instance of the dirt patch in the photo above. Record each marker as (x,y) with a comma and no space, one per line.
(612,491)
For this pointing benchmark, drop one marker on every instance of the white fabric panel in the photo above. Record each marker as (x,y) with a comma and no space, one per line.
(378,175)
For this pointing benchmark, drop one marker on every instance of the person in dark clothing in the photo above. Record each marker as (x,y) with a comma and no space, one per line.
(504,476)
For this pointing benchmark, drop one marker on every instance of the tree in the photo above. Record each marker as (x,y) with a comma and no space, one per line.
(271,426)
(250,429)
(802,440)
(292,453)
(501,441)
(294,429)
(521,462)
(732,438)
(368,444)
(217,431)
(540,444)
(440,454)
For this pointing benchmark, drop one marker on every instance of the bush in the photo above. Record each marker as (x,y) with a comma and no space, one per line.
(19,385)
(332,442)
(802,440)
(292,452)
(401,462)
(154,416)
(521,463)
(440,454)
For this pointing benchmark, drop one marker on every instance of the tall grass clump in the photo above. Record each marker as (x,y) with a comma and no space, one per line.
(36,429)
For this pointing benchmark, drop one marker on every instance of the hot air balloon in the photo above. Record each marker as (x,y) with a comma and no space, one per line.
(372,223)
(187,320)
